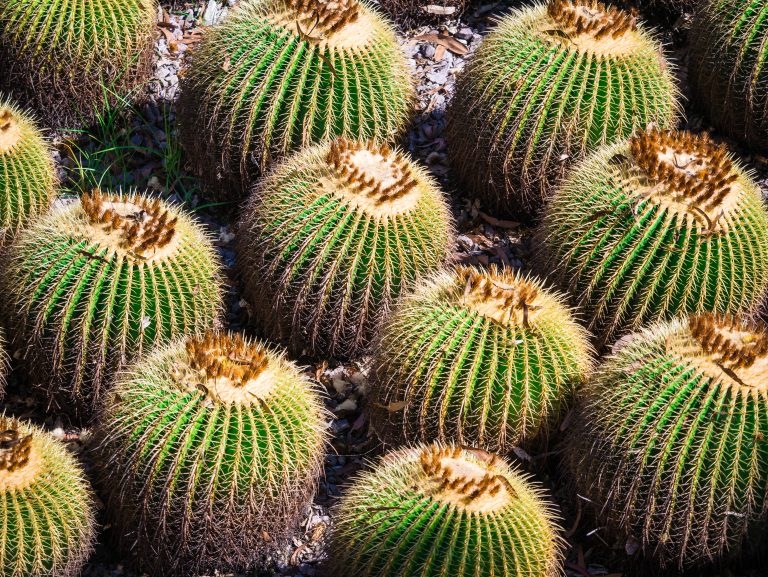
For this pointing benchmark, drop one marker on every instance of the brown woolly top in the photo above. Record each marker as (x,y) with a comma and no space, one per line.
(374,177)
(687,172)
(325,16)
(592,26)
(139,227)
(469,479)
(10,131)
(336,23)
(19,463)
(501,296)
(227,368)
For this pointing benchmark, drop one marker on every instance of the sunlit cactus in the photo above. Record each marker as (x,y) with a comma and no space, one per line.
(480,358)
(414,12)
(729,55)
(278,75)
(27,174)
(68,59)
(46,507)
(663,224)
(90,285)
(333,236)
(448,511)
(551,83)
(209,450)
(671,447)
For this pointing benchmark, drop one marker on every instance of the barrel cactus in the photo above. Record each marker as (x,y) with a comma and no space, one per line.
(46,506)
(663,224)
(209,451)
(333,236)
(444,510)
(27,174)
(92,284)
(551,83)
(282,74)
(672,445)
(729,54)
(484,358)
(414,12)
(68,59)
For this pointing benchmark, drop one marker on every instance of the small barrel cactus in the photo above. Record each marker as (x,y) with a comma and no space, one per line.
(278,75)
(414,12)
(551,83)
(448,511)
(480,358)
(333,236)
(68,58)
(663,224)
(672,442)
(729,55)
(92,284)
(27,173)
(209,450)
(46,506)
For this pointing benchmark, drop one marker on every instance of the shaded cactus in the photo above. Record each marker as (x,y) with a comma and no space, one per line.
(278,75)
(729,54)
(27,174)
(663,224)
(671,447)
(92,284)
(209,452)
(414,12)
(69,58)
(550,84)
(444,510)
(46,506)
(481,358)
(333,236)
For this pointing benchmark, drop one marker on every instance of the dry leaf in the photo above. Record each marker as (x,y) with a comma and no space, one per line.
(445,40)
(439,53)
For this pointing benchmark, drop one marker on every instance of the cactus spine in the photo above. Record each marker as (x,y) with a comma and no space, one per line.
(65,56)
(414,12)
(550,84)
(279,75)
(333,236)
(672,443)
(46,507)
(444,510)
(210,449)
(91,285)
(27,174)
(664,224)
(480,358)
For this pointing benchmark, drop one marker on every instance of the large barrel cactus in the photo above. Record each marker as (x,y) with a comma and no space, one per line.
(333,236)
(448,511)
(70,58)
(728,75)
(27,173)
(90,285)
(281,74)
(46,506)
(482,358)
(672,444)
(209,451)
(551,83)
(663,224)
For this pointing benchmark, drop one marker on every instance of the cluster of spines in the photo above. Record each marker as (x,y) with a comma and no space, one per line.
(14,449)
(6,125)
(510,300)
(353,176)
(328,16)
(713,334)
(218,355)
(591,17)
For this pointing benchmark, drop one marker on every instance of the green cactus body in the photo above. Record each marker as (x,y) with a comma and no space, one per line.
(282,74)
(444,510)
(209,452)
(68,58)
(333,236)
(672,447)
(480,358)
(729,55)
(27,174)
(664,224)
(46,506)
(550,84)
(92,284)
